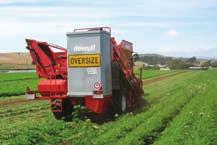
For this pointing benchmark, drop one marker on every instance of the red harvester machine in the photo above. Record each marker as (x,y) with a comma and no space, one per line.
(93,71)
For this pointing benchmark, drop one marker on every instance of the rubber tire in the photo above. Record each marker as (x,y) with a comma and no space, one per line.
(58,115)
(115,106)
(66,113)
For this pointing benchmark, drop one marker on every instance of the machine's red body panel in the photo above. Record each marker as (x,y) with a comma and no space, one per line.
(57,86)
(97,105)
(49,64)
(51,67)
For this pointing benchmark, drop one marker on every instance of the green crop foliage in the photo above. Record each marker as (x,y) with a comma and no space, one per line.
(147,74)
(16,83)
(17,76)
(196,124)
(180,109)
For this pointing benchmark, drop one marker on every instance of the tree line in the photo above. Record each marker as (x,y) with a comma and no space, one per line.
(176,63)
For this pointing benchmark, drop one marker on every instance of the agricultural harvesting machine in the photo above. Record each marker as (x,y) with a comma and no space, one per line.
(94,71)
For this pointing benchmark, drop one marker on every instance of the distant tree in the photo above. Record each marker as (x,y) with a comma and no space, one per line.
(206,63)
(192,59)
(214,64)
(135,57)
(178,64)
(153,60)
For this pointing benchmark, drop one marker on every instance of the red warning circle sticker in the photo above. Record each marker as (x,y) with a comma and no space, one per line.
(97,85)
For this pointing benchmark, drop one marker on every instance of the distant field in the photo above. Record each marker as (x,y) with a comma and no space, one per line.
(15,61)
(152,73)
(179,110)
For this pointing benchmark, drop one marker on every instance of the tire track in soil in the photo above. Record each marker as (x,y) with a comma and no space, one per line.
(19,101)
(6,103)
(8,114)
(14,102)
(160,78)
(156,133)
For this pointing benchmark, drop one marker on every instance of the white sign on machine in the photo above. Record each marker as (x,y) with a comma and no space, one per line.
(91,71)
(85,48)
(97,87)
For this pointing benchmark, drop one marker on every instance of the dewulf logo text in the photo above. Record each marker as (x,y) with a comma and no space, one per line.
(85,48)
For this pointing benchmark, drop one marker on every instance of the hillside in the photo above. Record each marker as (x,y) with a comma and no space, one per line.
(15,61)
(22,60)
(154,59)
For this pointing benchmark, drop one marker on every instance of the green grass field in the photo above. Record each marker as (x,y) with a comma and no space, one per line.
(16,83)
(180,109)
(17,76)
(147,74)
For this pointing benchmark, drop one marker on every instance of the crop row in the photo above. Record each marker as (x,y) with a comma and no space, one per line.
(133,130)
(13,88)
(170,102)
(13,84)
(16,76)
(151,125)
(147,74)
(14,125)
(23,105)
(197,122)
(18,116)
(45,127)
(114,131)
(24,109)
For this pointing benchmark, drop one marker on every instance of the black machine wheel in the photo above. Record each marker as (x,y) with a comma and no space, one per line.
(58,115)
(118,103)
(67,110)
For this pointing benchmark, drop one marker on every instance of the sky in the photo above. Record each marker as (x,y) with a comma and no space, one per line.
(181,28)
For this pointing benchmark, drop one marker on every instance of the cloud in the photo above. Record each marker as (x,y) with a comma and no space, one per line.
(17,1)
(172,33)
(187,52)
(141,22)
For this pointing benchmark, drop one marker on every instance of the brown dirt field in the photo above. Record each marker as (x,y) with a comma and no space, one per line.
(15,61)
(15,58)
